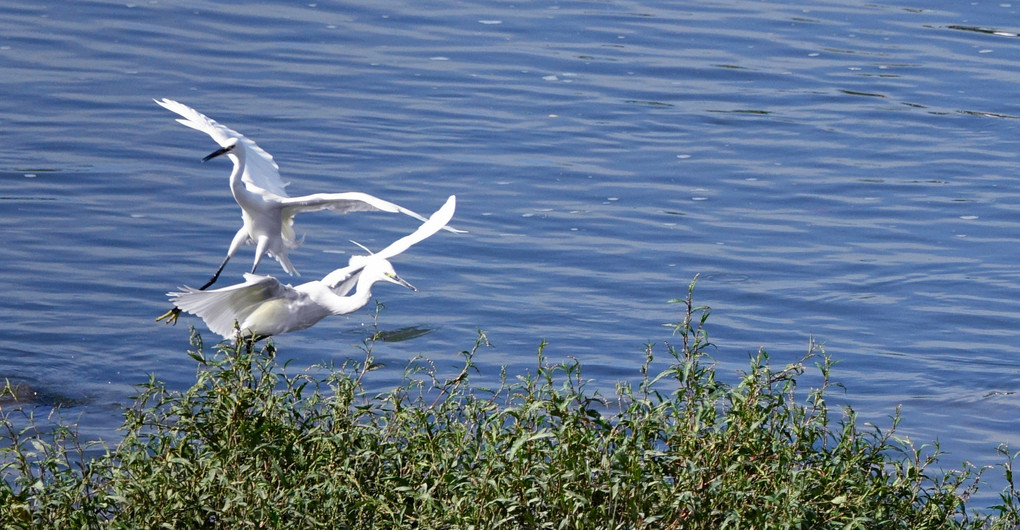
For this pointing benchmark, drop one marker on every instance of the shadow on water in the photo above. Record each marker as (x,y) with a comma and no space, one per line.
(403,334)
(400,334)
(17,390)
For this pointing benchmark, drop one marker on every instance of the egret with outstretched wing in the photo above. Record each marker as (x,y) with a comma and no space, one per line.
(267,211)
(262,306)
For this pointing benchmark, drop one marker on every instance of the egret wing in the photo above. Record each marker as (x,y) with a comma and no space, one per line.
(260,169)
(341,281)
(198,121)
(220,308)
(433,224)
(347,202)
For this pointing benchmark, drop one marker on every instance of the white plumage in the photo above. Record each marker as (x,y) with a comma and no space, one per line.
(262,306)
(266,209)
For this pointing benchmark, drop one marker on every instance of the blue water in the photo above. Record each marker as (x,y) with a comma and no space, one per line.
(843,172)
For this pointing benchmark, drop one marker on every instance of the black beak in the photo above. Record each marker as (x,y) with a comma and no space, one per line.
(217,153)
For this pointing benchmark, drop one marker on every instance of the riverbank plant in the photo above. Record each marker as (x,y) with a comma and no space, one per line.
(253,445)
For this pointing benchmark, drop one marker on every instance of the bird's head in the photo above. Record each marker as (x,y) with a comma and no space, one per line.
(381,270)
(230,146)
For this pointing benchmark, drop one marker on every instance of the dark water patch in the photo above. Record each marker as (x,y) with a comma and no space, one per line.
(987,31)
(403,334)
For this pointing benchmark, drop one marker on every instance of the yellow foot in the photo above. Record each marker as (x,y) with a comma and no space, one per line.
(170,316)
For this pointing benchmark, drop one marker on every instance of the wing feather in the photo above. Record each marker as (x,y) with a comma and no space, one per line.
(260,170)
(435,222)
(220,308)
(352,201)
(341,281)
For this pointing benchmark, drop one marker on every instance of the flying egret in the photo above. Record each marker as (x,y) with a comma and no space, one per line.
(266,209)
(262,306)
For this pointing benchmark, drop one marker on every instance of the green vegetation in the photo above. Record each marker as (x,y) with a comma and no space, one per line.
(250,445)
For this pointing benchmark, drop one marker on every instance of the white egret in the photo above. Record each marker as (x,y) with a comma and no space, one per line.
(262,306)
(266,209)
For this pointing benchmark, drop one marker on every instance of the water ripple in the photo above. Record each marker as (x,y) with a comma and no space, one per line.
(837,171)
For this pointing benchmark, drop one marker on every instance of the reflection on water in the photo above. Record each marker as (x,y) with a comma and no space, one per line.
(842,172)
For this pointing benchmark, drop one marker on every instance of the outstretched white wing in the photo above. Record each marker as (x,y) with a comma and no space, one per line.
(220,308)
(347,202)
(341,281)
(437,221)
(260,170)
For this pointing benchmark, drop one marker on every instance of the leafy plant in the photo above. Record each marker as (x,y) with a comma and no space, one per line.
(251,444)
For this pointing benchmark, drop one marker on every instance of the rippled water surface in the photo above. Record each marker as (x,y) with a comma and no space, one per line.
(844,171)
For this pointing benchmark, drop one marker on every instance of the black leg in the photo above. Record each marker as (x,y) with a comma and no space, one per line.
(171,315)
(217,275)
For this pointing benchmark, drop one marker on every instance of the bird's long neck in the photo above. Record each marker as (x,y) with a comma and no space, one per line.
(342,305)
(242,195)
(362,292)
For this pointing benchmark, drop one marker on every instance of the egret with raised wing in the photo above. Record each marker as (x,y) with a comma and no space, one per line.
(262,306)
(267,211)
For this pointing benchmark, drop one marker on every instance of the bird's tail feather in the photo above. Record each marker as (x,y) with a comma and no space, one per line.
(286,264)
